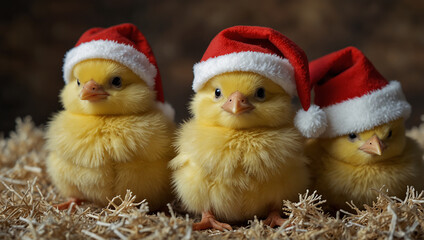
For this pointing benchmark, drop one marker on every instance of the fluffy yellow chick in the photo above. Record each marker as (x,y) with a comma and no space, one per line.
(348,167)
(363,146)
(110,137)
(240,155)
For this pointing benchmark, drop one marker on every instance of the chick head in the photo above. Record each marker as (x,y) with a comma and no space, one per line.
(378,144)
(106,87)
(242,100)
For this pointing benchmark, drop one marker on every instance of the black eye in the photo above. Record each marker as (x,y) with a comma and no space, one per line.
(78,82)
(390,134)
(116,82)
(217,93)
(352,136)
(260,93)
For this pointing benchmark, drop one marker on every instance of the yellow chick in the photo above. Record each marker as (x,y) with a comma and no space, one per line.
(364,146)
(240,155)
(110,137)
(347,168)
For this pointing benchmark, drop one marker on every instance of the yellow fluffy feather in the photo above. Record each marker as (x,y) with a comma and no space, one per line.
(99,149)
(342,172)
(239,166)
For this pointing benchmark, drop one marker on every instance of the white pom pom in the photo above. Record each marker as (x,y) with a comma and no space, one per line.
(311,123)
(167,109)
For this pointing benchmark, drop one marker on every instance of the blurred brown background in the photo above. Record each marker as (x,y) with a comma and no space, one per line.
(36,34)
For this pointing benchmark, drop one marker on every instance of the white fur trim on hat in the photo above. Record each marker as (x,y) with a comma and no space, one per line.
(271,66)
(311,123)
(368,111)
(167,109)
(104,49)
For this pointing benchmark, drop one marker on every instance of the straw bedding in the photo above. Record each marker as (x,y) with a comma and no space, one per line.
(26,211)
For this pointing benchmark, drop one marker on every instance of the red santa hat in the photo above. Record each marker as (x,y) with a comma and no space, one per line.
(266,52)
(353,94)
(122,43)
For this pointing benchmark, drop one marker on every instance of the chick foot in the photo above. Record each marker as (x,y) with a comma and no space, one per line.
(274,219)
(67,204)
(208,221)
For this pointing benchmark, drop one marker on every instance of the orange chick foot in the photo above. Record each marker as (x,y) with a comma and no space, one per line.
(66,205)
(208,221)
(274,219)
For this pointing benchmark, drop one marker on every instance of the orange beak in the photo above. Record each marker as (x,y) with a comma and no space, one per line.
(237,103)
(373,146)
(93,92)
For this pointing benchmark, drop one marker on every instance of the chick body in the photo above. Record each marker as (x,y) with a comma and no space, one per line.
(344,173)
(100,149)
(239,166)
(238,173)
